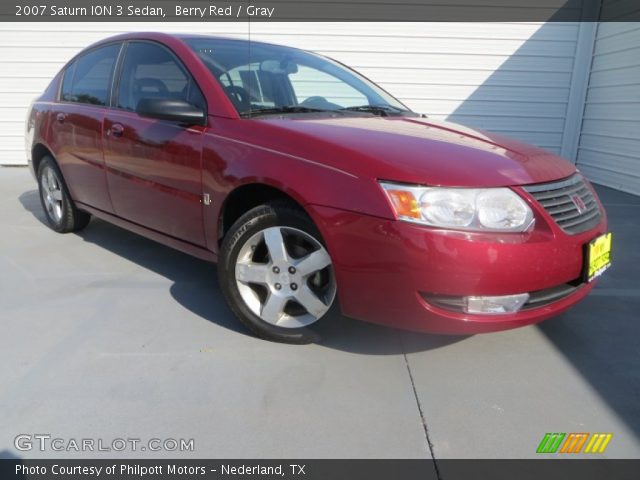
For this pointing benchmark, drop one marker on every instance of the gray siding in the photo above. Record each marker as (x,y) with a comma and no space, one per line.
(609,148)
(512,78)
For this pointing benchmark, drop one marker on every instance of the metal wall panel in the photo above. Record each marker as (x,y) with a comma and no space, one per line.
(512,78)
(609,148)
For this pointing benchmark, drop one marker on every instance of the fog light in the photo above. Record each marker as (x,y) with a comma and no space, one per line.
(502,304)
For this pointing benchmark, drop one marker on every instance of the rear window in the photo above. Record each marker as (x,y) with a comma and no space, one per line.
(88,79)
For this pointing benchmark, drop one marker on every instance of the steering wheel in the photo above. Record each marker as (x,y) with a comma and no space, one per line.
(238,95)
(313,100)
(319,102)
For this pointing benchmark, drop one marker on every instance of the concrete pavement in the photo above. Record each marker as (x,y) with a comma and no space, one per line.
(104,334)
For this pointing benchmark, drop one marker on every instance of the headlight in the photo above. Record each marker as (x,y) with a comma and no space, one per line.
(478,209)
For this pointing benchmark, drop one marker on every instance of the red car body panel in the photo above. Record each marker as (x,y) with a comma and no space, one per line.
(151,177)
(415,150)
(384,280)
(153,174)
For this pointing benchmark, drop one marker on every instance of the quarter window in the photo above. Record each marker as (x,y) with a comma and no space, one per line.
(67,83)
(151,71)
(88,79)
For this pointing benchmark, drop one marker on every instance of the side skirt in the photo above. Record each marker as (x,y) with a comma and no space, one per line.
(181,245)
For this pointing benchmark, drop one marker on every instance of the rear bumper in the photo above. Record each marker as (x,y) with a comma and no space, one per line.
(386,268)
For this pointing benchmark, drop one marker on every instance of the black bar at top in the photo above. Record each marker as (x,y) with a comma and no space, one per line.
(322,11)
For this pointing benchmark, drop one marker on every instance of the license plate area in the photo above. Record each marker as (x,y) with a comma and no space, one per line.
(597,256)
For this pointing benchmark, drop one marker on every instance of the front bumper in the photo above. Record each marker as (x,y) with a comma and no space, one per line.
(387,269)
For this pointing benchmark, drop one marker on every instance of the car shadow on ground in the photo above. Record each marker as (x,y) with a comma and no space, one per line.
(8,468)
(601,335)
(602,343)
(8,455)
(195,287)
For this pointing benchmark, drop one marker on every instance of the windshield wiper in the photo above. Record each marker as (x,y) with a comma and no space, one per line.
(382,110)
(283,109)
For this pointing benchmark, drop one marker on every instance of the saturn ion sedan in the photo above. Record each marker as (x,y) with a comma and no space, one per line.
(315,191)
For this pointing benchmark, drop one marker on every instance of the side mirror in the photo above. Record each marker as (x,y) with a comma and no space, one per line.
(170,109)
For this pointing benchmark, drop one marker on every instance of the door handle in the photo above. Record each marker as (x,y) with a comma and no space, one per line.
(60,117)
(116,130)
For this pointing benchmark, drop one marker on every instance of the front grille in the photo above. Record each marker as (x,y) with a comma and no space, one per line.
(540,298)
(557,198)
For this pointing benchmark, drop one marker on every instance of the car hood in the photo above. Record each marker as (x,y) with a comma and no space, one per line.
(418,150)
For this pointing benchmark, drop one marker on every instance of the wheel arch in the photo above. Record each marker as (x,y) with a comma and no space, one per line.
(247,196)
(38,152)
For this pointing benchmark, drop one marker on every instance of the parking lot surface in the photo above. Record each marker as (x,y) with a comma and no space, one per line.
(107,335)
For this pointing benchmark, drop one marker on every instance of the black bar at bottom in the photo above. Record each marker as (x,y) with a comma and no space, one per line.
(542,469)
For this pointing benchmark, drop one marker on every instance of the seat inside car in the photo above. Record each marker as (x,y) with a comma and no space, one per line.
(148,88)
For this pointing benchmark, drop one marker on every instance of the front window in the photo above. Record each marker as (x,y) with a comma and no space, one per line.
(151,71)
(269,79)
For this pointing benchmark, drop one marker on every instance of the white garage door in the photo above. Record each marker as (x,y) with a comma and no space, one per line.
(510,78)
(609,150)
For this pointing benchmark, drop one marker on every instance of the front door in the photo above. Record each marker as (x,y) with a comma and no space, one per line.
(76,125)
(154,166)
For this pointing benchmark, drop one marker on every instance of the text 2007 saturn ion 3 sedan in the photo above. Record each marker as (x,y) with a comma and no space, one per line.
(313,189)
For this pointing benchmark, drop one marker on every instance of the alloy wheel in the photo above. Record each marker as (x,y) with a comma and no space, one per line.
(285,277)
(52,194)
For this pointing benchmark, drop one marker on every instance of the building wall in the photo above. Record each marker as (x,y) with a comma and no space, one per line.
(509,78)
(609,147)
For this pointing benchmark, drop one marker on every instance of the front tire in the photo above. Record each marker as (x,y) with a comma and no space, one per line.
(60,211)
(276,273)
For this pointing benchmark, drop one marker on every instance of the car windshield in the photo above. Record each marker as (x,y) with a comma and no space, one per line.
(263,79)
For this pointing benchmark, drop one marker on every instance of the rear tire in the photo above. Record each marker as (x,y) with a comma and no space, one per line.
(60,211)
(277,275)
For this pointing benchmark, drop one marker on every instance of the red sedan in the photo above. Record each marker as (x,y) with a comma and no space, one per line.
(313,189)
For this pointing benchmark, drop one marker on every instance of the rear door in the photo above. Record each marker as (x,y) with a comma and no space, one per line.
(154,166)
(77,124)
